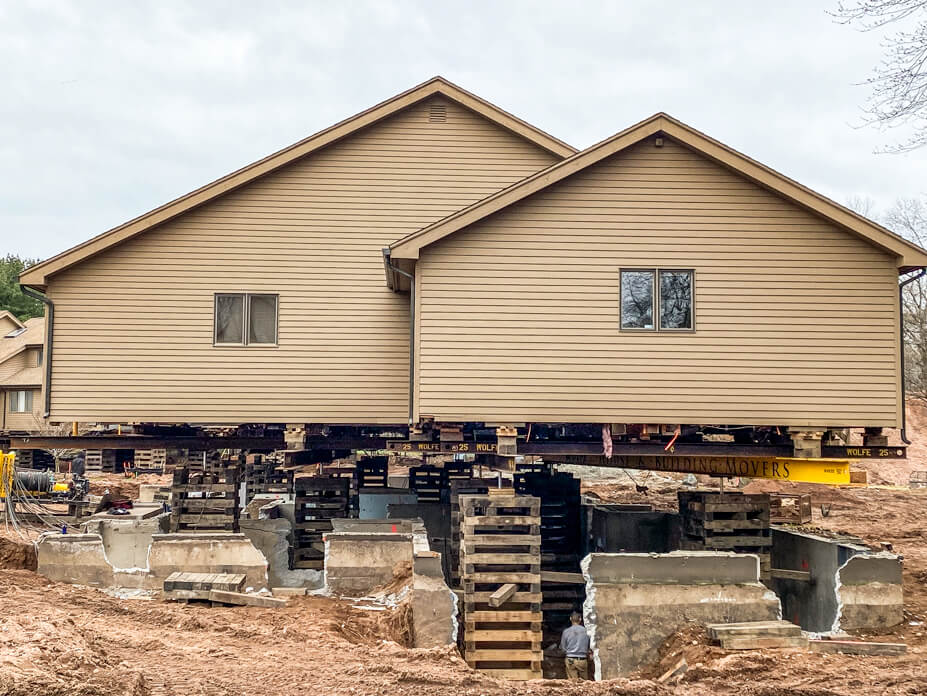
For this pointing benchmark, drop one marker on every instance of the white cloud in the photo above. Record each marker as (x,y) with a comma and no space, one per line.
(111,109)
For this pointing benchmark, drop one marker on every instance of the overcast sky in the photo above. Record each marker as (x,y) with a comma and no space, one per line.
(110,109)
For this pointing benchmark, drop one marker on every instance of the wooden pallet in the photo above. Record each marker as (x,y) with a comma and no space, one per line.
(317,501)
(100,460)
(204,502)
(428,481)
(263,477)
(501,545)
(560,540)
(458,488)
(372,472)
(458,471)
(738,522)
(789,508)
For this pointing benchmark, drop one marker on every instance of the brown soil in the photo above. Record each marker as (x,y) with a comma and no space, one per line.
(122,487)
(59,639)
(16,554)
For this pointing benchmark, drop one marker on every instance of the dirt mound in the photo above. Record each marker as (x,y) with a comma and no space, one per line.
(17,555)
(122,487)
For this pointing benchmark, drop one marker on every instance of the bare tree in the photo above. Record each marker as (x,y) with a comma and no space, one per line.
(908,217)
(899,82)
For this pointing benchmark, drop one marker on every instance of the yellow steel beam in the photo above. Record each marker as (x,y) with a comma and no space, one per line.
(835,472)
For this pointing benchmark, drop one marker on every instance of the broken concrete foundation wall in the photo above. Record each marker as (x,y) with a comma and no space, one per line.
(358,562)
(634,602)
(271,538)
(869,593)
(79,559)
(434,606)
(219,552)
(82,559)
(843,593)
(127,539)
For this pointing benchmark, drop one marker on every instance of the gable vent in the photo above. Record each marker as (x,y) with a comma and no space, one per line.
(437,113)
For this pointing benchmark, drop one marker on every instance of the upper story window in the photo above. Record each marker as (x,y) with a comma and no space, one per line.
(39,354)
(21,401)
(657,299)
(245,319)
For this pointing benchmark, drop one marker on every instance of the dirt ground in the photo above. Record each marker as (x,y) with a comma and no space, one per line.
(58,639)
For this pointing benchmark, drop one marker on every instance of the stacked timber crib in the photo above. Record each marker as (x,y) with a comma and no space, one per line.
(459,488)
(372,472)
(427,481)
(739,522)
(204,501)
(500,560)
(317,501)
(264,476)
(560,542)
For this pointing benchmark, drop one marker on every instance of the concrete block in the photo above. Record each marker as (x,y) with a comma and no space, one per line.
(869,594)
(434,606)
(146,492)
(356,562)
(677,567)
(79,559)
(205,553)
(127,538)
(269,537)
(634,602)
(852,587)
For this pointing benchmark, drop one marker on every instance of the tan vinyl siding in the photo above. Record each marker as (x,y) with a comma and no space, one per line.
(795,319)
(31,421)
(13,365)
(134,325)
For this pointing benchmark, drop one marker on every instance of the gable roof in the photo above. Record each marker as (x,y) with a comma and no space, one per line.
(37,276)
(910,255)
(10,317)
(34,335)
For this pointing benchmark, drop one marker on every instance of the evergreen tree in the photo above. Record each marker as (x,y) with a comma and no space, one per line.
(11,296)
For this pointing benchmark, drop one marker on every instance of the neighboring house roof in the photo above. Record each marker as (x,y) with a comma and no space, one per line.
(910,255)
(27,377)
(36,276)
(7,316)
(33,336)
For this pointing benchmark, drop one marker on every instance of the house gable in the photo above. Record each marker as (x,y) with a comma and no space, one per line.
(909,255)
(37,275)
(795,320)
(141,313)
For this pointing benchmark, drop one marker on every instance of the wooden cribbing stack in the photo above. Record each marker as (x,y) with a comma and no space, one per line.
(372,472)
(560,543)
(500,561)
(204,501)
(262,476)
(427,481)
(789,508)
(458,471)
(318,500)
(459,488)
(739,522)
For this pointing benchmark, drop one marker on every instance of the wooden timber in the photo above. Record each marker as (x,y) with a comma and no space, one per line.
(500,560)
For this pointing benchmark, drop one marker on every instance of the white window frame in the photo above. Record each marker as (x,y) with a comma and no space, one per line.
(245,318)
(657,315)
(18,398)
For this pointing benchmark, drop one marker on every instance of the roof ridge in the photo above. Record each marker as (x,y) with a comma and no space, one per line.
(37,274)
(767,177)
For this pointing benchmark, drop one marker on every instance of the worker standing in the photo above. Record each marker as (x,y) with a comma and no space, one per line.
(575,643)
